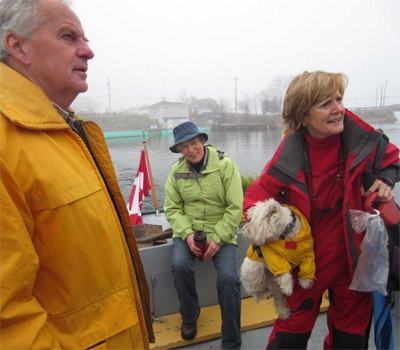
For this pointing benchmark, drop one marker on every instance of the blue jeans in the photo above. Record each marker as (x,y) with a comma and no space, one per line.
(228,287)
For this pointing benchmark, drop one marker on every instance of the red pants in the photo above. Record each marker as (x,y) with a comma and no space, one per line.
(348,313)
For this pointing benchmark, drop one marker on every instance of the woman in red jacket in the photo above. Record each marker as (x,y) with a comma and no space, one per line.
(318,168)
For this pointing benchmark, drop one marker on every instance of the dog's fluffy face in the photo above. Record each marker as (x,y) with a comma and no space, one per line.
(267,220)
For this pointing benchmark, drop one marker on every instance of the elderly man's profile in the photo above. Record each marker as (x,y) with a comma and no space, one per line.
(70,278)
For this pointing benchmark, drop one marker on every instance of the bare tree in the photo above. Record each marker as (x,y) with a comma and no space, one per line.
(224,105)
(270,104)
(256,100)
(275,93)
(224,108)
(275,105)
(244,105)
(262,97)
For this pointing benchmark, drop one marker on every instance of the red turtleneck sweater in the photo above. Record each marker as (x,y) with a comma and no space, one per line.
(326,189)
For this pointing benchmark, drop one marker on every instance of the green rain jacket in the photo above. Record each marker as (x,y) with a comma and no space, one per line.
(210,201)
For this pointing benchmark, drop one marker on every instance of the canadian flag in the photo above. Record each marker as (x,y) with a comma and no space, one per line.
(140,190)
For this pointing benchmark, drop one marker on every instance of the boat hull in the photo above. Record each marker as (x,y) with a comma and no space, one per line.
(163,296)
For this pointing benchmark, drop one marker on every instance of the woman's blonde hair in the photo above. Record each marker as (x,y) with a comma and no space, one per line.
(304,91)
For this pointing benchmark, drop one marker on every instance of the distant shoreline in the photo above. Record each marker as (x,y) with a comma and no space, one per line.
(121,125)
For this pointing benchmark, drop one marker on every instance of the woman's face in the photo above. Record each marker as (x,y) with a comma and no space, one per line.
(192,150)
(326,117)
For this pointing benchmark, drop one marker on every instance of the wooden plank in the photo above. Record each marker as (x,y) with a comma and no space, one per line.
(168,331)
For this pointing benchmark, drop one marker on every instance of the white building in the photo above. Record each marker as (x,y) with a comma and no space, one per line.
(169,114)
(204,106)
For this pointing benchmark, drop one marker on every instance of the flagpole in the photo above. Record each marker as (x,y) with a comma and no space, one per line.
(153,189)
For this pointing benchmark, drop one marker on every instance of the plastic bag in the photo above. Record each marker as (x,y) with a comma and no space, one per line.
(372,268)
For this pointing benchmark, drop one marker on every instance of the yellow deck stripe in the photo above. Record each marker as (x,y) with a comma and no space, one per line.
(168,333)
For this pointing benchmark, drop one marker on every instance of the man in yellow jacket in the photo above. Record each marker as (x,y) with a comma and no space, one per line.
(71,275)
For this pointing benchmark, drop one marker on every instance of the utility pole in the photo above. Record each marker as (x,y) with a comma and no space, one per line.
(235,97)
(384,93)
(381,104)
(376,100)
(109,94)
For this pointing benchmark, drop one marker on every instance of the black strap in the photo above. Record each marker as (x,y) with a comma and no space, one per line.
(380,152)
(79,130)
(257,249)
(289,227)
(307,169)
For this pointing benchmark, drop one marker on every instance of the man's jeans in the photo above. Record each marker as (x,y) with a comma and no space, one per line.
(228,286)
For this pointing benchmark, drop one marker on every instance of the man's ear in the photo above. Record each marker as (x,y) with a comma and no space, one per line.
(15,46)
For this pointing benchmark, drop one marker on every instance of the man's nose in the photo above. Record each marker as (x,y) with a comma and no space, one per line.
(84,50)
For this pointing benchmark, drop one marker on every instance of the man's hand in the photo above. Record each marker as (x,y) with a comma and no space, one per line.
(212,249)
(385,193)
(192,245)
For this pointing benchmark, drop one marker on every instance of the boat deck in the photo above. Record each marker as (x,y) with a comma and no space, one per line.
(257,320)
(254,316)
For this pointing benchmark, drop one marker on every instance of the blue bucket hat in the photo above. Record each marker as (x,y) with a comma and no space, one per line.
(185,131)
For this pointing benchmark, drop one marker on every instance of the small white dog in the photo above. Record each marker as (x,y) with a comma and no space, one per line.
(280,239)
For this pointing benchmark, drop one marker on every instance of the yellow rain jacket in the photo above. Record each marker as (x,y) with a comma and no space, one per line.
(279,255)
(68,279)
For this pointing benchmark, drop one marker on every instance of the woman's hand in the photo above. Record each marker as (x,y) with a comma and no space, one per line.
(192,245)
(212,249)
(385,193)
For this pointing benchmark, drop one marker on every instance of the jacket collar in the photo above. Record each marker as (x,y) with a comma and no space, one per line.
(213,162)
(25,104)
(358,138)
(203,165)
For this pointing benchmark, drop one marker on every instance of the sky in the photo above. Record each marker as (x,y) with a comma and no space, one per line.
(149,50)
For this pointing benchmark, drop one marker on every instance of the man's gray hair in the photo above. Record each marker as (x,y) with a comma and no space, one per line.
(19,17)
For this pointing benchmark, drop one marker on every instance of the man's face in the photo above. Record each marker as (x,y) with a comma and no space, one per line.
(58,53)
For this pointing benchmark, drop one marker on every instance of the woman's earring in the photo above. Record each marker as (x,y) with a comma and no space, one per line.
(304,124)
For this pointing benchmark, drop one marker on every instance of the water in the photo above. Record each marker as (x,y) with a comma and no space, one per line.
(250,150)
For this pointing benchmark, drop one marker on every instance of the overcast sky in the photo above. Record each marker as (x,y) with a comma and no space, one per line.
(154,49)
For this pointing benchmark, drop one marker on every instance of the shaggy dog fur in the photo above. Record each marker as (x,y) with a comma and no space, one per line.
(268,222)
